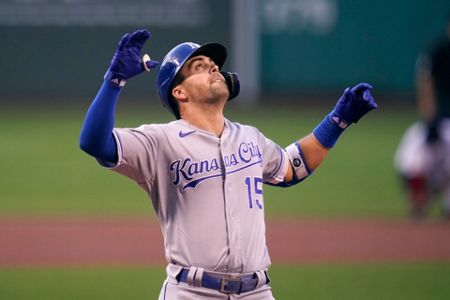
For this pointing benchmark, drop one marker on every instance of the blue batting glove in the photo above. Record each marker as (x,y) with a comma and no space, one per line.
(353,104)
(126,62)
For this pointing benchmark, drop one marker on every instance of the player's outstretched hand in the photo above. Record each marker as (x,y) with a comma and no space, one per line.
(353,104)
(126,62)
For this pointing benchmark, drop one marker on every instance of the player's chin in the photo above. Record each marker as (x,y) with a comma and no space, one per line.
(219,85)
(218,98)
(220,90)
(224,96)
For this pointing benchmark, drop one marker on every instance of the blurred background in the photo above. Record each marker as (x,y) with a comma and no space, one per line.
(294,57)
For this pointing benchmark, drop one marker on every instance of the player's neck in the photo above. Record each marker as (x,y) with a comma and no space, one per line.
(211,121)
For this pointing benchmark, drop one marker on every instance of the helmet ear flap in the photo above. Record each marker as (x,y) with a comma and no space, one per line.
(232,81)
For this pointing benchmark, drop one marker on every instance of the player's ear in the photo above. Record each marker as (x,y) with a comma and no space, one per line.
(179,93)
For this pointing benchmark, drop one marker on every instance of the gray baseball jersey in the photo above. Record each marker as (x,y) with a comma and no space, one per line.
(207,191)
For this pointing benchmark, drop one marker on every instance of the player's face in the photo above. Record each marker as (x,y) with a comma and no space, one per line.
(203,81)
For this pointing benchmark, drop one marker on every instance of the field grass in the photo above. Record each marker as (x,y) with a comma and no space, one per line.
(393,281)
(44,172)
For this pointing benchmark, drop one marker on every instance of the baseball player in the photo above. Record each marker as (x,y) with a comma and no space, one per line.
(422,158)
(204,173)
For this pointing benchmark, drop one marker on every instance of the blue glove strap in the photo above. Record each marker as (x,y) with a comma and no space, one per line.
(327,132)
(96,136)
(109,76)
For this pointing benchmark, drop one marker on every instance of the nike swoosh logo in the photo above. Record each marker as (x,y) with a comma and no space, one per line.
(182,134)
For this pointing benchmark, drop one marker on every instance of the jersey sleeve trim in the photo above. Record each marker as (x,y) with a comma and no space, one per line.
(111,165)
(280,172)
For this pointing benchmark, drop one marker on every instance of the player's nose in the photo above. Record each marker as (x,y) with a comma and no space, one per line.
(214,68)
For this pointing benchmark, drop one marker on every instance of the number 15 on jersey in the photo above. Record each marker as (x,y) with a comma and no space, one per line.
(254,188)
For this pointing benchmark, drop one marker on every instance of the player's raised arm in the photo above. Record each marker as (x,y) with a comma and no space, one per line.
(306,154)
(96,136)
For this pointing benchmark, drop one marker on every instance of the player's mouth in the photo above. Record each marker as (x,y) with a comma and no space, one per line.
(217,78)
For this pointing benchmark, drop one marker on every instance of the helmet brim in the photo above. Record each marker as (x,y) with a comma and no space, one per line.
(217,52)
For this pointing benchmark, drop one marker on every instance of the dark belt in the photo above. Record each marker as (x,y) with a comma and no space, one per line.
(228,284)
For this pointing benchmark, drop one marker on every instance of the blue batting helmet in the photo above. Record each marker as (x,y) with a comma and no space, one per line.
(175,59)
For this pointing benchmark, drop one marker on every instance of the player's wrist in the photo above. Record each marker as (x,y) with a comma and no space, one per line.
(338,118)
(114,80)
(329,130)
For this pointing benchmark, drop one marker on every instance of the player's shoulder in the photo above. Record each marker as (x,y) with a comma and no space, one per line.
(239,126)
(154,130)
(159,126)
(245,129)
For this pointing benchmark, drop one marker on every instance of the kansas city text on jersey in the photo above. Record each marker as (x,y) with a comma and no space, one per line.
(194,172)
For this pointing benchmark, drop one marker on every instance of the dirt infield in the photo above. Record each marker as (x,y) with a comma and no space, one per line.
(130,241)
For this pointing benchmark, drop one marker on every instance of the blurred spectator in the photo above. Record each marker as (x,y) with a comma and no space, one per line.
(423,156)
